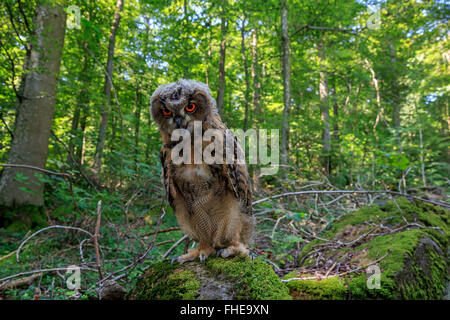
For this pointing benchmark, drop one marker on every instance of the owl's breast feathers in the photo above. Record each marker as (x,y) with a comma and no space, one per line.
(229,176)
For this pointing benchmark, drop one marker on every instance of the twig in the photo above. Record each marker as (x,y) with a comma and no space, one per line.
(34,168)
(39,270)
(97,230)
(8,255)
(162,231)
(47,228)
(276,225)
(342,274)
(277,268)
(174,246)
(138,260)
(21,282)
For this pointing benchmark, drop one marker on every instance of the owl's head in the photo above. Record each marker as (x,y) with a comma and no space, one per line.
(178,104)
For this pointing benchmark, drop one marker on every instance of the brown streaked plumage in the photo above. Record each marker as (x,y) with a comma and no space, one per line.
(212,202)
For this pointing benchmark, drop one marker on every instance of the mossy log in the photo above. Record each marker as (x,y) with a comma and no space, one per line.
(217,278)
(415,263)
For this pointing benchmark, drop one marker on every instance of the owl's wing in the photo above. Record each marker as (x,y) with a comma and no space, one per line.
(239,179)
(166,168)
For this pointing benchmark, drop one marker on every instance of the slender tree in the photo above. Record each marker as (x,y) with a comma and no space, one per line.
(286,64)
(324,110)
(107,89)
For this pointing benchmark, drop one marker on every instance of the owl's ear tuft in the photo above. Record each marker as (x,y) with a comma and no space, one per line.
(203,98)
(155,106)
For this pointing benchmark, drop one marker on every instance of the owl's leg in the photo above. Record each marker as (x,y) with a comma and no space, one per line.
(236,249)
(203,251)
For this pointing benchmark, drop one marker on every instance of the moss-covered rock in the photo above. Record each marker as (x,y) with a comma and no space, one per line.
(415,263)
(163,281)
(326,289)
(218,278)
(252,279)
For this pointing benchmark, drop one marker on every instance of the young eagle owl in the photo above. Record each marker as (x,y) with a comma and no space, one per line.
(212,202)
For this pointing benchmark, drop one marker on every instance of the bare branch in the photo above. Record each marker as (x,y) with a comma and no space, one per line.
(47,228)
(441,204)
(34,168)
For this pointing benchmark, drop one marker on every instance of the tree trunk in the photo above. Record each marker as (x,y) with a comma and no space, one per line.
(107,89)
(82,103)
(255,79)
(223,45)
(35,112)
(79,155)
(335,115)
(137,123)
(256,100)
(395,95)
(286,64)
(324,111)
(247,79)
(186,66)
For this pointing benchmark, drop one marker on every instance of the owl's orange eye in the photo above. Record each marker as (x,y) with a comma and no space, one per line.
(191,107)
(166,112)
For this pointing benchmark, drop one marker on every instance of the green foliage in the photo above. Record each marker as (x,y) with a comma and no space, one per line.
(373,74)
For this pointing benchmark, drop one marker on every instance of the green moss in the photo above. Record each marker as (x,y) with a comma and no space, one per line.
(163,281)
(254,279)
(326,289)
(251,279)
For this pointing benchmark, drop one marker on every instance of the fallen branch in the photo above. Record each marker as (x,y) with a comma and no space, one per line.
(5,282)
(441,204)
(21,282)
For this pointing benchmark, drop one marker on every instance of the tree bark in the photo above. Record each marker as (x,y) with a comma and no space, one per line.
(107,89)
(286,65)
(34,113)
(223,47)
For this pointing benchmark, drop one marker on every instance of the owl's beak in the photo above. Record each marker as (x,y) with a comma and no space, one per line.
(178,120)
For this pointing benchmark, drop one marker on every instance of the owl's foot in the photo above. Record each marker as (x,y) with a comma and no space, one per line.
(235,250)
(202,253)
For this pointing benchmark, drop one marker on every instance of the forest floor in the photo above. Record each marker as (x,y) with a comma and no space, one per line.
(117,242)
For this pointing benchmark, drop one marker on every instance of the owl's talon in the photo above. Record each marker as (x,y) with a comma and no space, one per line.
(219,253)
(202,257)
(251,254)
(173,259)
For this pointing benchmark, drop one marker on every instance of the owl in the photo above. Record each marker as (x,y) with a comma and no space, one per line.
(212,201)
